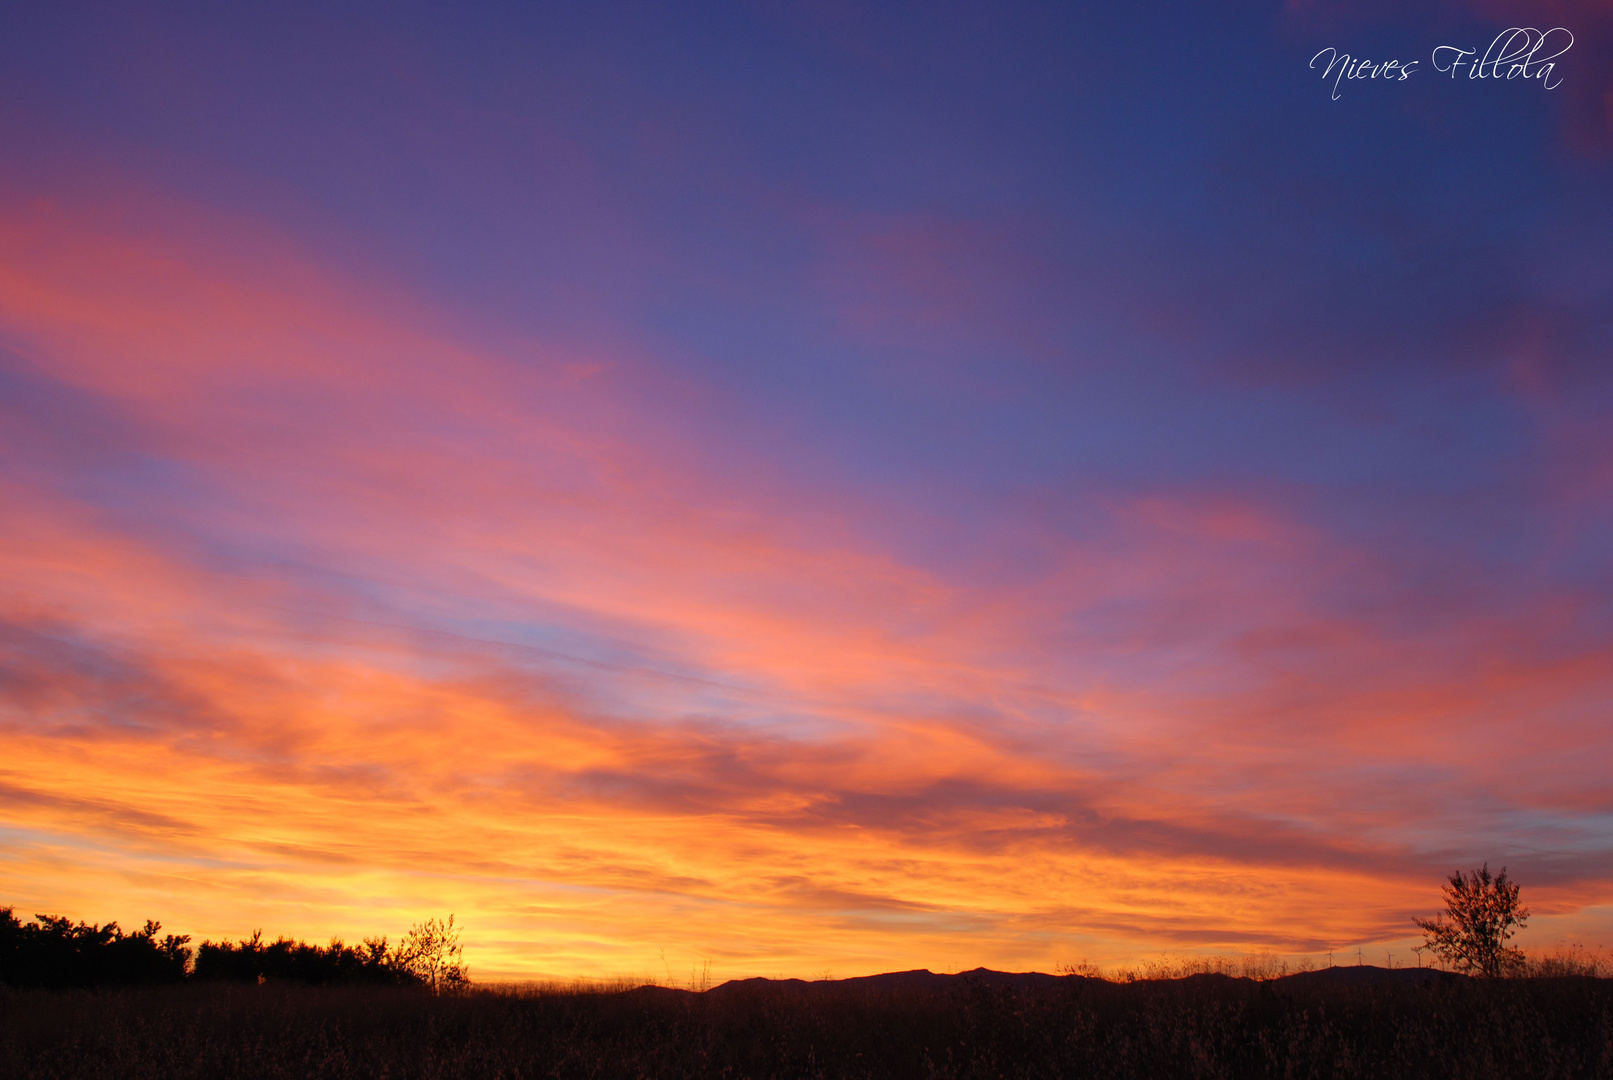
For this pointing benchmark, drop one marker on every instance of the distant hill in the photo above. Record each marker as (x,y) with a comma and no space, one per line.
(924,979)
(1367,975)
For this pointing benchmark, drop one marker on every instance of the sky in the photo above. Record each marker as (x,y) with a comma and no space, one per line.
(804,488)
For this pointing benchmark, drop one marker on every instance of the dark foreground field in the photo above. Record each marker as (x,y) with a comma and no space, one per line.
(1326,1024)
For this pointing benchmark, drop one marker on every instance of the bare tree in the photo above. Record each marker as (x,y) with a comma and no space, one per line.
(431,952)
(1484,912)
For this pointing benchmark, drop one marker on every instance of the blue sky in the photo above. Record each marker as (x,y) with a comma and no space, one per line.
(1061,438)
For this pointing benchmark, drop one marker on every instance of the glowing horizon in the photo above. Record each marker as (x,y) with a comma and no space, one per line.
(888,572)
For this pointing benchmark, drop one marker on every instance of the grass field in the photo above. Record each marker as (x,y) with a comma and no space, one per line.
(1322,1024)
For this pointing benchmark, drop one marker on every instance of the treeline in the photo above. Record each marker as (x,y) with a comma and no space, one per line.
(254,960)
(51,952)
(58,953)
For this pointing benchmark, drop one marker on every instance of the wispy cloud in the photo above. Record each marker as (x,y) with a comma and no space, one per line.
(1051,599)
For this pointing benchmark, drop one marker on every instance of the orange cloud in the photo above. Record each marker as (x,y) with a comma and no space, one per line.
(341,622)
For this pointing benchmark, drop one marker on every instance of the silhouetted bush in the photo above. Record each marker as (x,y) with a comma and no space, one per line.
(254,960)
(54,952)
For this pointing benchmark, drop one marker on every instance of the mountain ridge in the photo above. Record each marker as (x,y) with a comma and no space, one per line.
(925,979)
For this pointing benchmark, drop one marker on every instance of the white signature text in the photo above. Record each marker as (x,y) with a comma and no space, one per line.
(1519,53)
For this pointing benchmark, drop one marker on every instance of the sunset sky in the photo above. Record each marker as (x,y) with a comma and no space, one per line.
(803,487)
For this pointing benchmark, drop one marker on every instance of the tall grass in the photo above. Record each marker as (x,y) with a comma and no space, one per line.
(1260,967)
(1078,1026)
(1565,960)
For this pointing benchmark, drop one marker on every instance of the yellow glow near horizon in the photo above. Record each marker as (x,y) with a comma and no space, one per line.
(428,629)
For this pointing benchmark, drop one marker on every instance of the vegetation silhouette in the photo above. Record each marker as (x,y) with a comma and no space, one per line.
(256,1008)
(55,953)
(337,964)
(1484,913)
(431,952)
(911,1026)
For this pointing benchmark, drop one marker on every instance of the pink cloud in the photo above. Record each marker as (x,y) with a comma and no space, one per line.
(308,693)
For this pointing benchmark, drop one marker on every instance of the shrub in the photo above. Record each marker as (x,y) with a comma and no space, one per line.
(1484,912)
(55,952)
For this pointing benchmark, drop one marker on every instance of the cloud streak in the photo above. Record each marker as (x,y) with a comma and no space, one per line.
(1024,613)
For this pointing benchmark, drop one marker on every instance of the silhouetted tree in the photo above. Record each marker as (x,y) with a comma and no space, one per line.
(1484,912)
(52,951)
(57,953)
(432,953)
(254,960)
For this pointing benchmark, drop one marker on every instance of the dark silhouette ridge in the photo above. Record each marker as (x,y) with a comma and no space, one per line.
(1367,975)
(926,980)
(920,979)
